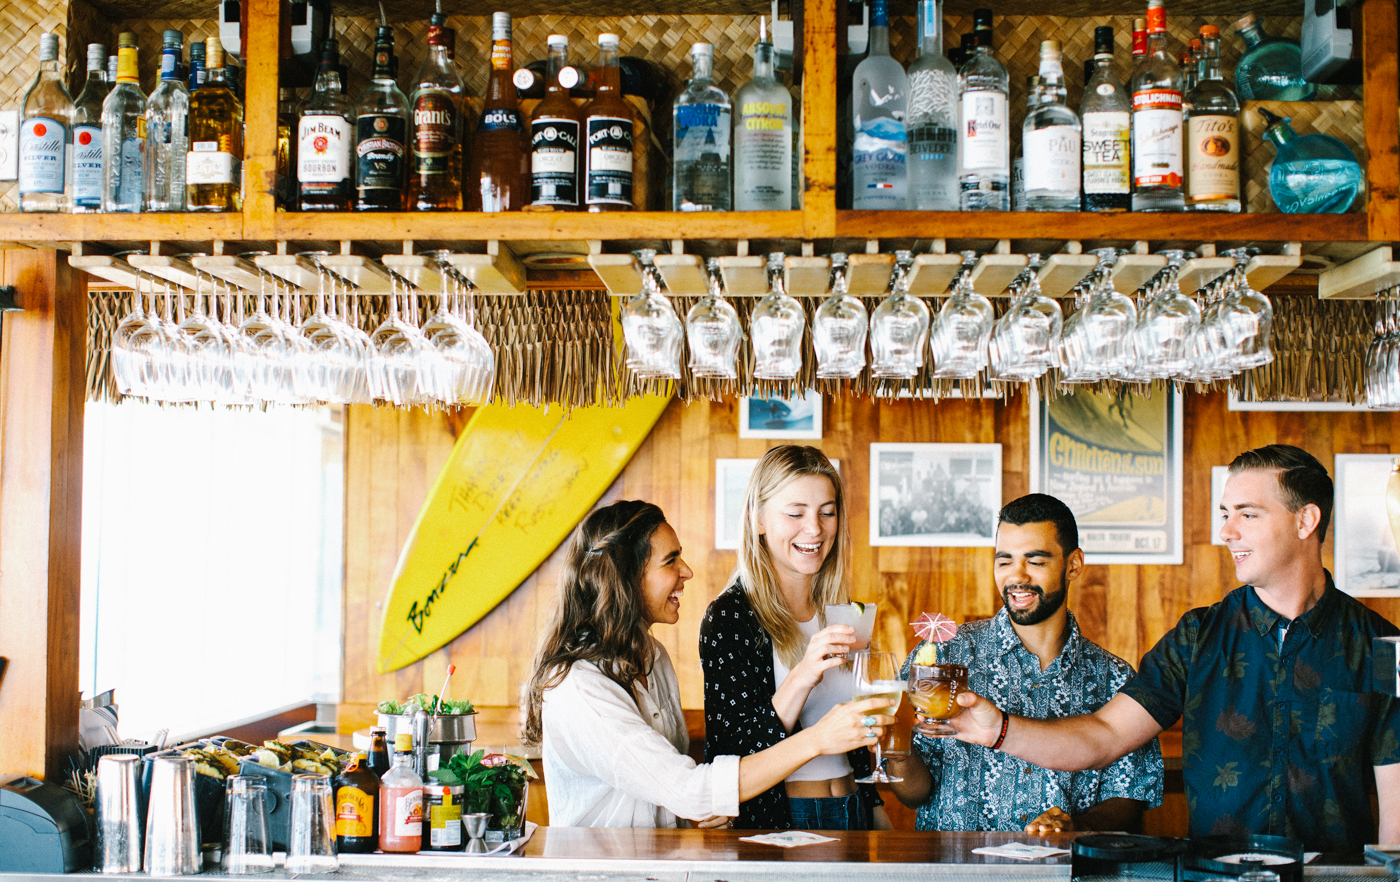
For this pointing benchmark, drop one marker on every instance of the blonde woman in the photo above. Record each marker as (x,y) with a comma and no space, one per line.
(772,667)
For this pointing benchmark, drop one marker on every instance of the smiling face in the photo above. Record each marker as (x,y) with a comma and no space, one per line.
(665,578)
(1032,571)
(799,524)
(1266,540)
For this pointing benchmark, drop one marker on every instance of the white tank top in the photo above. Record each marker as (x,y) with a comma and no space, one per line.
(834,688)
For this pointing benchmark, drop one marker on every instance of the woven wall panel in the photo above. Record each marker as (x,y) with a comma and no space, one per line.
(1319,352)
(1340,119)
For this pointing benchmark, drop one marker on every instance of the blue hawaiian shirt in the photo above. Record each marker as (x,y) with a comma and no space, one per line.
(976,788)
(1275,742)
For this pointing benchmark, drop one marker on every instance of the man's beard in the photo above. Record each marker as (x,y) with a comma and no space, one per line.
(1048,605)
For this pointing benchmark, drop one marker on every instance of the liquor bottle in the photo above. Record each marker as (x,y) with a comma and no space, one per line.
(325,178)
(381,142)
(500,157)
(111,71)
(1271,68)
(439,96)
(1189,62)
(378,752)
(87,133)
(1139,46)
(401,802)
(1157,166)
(932,122)
(1311,174)
(167,132)
(1051,141)
(1018,162)
(45,135)
(1212,134)
(960,53)
(197,72)
(608,125)
(701,117)
(879,95)
(985,175)
(356,808)
(764,161)
(555,128)
(287,119)
(1105,117)
(124,135)
(214,164)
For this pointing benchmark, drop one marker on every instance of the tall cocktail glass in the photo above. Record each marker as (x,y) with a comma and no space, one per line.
(933,690)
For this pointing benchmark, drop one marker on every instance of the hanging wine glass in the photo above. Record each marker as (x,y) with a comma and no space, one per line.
(399,351)
(1248,319)
(1106,330)
(775,328)
(1070,357)
(1168,326)
(713,332)
(899,328)
(131,363)
(839,329)
(1026,339)
(964,324)
(651,328)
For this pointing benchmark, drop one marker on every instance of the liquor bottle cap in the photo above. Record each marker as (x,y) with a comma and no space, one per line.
(1139,24)
(214,53)
(607,40)
(403,742)
(569,76)
(172,38)
(1103,40)
(48,47)
(500,25)
(556,40)
(1049,46)
(1195,43)
(97,56)
(702,49)
(982,18)
(1248,20)
(126,40)
(380,730)
(197,49)
(969,41)
(523,78)
(1208,31)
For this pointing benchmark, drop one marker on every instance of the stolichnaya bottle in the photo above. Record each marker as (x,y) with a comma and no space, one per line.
(931,123)
(45,135)
(167,131)
(985,167)
(608,123)
(499,174)
(439,105)
(1105,116)
(1212,134)
(763,135)
(124,135)
(1157,118)
(214,164)
(87,133)
(381,134)
(1311,174)
(325,133)
(1271,68)
(879,151)
(1051,141)
(701,132)
(556,127)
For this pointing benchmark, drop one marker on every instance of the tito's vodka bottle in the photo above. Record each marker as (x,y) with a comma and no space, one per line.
(439,96)
(763,145)
(325,132)
(701,139)
(214,165)
(985,178)
(381,133)
(932,121)
(1106,117)
(87,133)
(1212,134)
(1157,84)
(608,123)
(1050,141)
(167,131)
(500,160)
(879,153)
(124,135)
(555,129)
(45,135)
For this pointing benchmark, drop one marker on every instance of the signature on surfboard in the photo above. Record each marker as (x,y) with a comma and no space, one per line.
(417,616)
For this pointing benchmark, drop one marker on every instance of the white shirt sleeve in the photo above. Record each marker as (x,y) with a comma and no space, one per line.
(596,728)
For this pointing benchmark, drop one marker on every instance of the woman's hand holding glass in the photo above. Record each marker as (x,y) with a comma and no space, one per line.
(826,650)
(851,725)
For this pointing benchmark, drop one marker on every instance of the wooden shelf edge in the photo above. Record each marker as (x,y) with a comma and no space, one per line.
(1191,226)
(553,226)
(50,229)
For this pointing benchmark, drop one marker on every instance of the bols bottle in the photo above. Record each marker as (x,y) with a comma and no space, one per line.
(45,138)
(439,96)
(608,123)
(701,134)
(763,130)
(499,155)
(167,131)
(124,135)
(381,126)
(555,129)
(324,136)
(87,133)
(1106,117)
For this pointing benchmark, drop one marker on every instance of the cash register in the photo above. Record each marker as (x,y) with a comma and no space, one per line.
(43,828)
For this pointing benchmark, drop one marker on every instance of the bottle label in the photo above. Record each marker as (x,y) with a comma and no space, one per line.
(1106,165)
(554,161)
(763,156)
(1052,159)
(408,814)
(1157,138)
(379,152)
(1215,157)
(609,160)
(985,144)
(87,166)
(323,149)
(501,119)
(207,164)
(354,813)
(43,155)
(131,175)
(702,129)
(436,125)
(444,819)
(1018,184)
(169,59)
(879,165)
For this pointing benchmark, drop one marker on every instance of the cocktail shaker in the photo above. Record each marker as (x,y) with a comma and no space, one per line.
(118,815)
(172,836)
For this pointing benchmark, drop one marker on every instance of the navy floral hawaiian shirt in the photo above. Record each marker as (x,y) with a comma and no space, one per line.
(980,789)
(1275,742)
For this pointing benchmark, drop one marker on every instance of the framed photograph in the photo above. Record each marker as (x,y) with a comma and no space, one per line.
(1365,562)
(1115,460)
(1218,474)
(1233,402)
(785,419)
(939,495)
(731,480)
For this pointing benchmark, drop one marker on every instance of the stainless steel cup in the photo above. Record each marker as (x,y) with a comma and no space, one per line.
(172,835)
(118,817)
(475,824)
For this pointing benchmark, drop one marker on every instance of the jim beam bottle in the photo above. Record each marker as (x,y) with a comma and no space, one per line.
(499,156)
(214,165)
(382,123)
(608,123)
(325,177)
(555,130)
(439,98)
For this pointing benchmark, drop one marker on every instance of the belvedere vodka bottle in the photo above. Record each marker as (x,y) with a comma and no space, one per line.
(879,152)
(124,135)
(1157,116)
(932,120)
(1105,116)
(985,177)
(702,132)
(87,133)
(763,154)
(1050,141)
(167,134)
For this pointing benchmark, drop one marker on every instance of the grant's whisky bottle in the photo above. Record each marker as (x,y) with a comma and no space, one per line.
(214,165)
(381,148)
(608,125)
(325,177)
(439,103)
(499,157)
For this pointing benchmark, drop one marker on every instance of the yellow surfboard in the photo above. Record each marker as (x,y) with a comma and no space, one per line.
(518,481)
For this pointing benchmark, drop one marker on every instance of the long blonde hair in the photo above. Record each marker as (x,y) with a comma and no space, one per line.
(777,468)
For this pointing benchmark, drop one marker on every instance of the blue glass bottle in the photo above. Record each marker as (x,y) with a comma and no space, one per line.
(1313,173)
(1271,68)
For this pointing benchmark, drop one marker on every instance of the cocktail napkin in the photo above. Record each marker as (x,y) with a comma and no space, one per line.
(788,839)
(1020,851)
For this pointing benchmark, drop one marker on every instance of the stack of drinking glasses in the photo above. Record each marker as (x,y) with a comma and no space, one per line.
(1025,341)
(899,327)
(1383,355)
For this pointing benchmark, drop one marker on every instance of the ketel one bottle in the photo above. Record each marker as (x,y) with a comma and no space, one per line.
(439,96)
(324,135)
(381,123)
(608,122)
(555,129)
(499,157)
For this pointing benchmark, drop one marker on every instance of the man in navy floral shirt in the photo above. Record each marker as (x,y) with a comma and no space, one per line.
(1281,731)
(1030,657)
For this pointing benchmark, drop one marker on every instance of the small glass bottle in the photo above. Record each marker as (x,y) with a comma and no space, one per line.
(357,808)
(701,133)
(556,126)
(214,165)
(401,802)
(1018,160)
(500,157)
(87,133)
(124,135)
(45,135)
(381,134)
(764,160)
(1106,118)
(378,761)
(1311,174)
(879,96)
(932,121)
(985,177)
(1157,117)
(325,134)
(1051,141)
(1271,68)
(196,72)
(439,106)
(287,119)
(608,123)
(167,131)
(1212,134)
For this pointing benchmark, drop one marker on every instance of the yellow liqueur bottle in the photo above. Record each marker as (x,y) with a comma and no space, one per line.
(214,165)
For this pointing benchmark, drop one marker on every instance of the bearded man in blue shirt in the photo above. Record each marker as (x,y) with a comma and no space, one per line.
(1281,731)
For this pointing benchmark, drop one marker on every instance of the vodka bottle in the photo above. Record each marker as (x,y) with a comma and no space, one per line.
(879,151)
(608,125)
(124,135)
(1271,68)
(167,131)
(1212,134)
(556,128)
(701,139)
(381,133)
(214,163)
(932,121)
(764,160)
(325,133)
(45,135)
(1157,116)
(985,176)
(1051,141)
(500,157)
(1018,164)
(1106,119)
(87,133)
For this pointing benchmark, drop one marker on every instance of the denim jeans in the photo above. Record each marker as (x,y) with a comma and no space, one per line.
(831,812)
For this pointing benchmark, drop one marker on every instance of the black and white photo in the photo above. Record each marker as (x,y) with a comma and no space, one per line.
(936,495)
